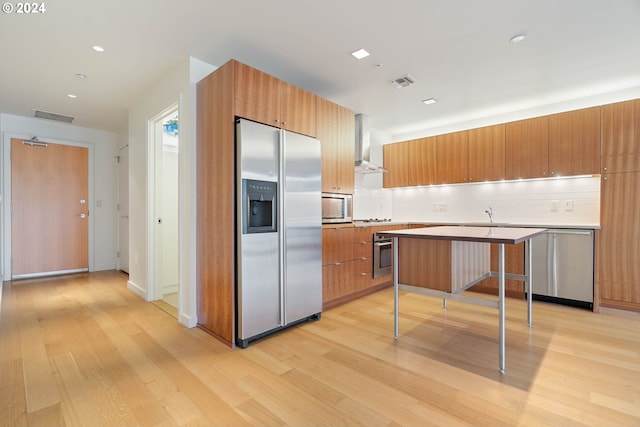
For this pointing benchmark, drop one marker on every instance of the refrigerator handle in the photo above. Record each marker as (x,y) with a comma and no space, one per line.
(550,264)
(281,224)
(555,265)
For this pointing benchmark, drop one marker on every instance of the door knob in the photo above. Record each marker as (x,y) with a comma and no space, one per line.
(83,216)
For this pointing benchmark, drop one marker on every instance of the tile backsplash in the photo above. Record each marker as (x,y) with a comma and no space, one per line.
(568,201)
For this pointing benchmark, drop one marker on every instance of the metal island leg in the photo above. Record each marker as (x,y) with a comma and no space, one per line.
(395,287)
(501,275)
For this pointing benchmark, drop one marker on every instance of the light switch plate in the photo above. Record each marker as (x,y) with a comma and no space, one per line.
(568,205)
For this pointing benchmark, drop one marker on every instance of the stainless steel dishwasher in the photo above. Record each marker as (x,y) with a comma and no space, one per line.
(562,267)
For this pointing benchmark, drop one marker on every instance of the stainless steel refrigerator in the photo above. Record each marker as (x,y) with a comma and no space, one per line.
(279,240)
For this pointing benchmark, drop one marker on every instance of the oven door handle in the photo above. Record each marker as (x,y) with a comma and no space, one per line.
(383,244)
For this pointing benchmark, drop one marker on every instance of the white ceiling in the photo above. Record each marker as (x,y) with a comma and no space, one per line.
(457,50)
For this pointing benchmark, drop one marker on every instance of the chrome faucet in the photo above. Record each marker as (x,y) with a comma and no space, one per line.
(490,213)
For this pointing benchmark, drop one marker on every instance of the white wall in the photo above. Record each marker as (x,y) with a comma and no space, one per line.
(179,85)
(102,253)
(537,202)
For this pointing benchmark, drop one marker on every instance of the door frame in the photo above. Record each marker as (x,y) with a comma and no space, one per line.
(153,291)
(6,195)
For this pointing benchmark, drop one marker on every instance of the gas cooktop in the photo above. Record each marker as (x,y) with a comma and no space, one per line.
(373,220)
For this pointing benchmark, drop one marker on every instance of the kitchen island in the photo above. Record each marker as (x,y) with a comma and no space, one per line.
(470,248)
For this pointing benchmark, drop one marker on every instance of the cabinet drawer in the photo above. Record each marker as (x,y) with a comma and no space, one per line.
(362,249)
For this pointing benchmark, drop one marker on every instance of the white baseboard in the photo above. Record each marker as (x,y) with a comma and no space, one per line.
(142,293)
(169,289)
(188,321)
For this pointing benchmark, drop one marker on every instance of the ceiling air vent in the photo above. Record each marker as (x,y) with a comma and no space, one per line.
(52,116)
(403,81)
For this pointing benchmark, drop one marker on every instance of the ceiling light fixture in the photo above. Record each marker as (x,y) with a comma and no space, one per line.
(98,48)
(429,101)
(360,53)
(518,38)
(72,96)
(81,76)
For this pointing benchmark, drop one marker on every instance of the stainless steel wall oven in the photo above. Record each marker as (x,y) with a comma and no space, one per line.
(382,255)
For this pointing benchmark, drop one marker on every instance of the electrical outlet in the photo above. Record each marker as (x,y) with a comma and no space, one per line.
(568,205)
(443,206)
(554,205)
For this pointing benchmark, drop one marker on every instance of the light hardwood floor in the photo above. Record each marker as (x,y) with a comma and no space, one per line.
(85,351)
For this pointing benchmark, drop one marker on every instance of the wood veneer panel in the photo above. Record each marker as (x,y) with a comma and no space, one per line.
(425,263)
(452,154)
(215,253)
(487,154)
(619,269)
(345,154)
(256,94)
(395,160)
(527,148)
(422,161)
(337,245)
(327,134)
(621,137)
(336,128)
(298,110)
(574,142)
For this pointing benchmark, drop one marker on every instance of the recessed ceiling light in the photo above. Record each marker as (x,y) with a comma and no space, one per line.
(72,96)
(518,38)
(81,76)
(98,48)
(360,53)
(429,101)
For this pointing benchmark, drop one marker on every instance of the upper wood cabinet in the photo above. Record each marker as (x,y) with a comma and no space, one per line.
(574,142)
(395,160)
(422,157)
(621,137)
(487,154)
(336,132)
(266,99)
(410,163)
(452,157)
(527,148)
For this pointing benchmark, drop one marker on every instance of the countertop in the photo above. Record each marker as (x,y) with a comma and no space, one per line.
(509,235)
(479,224)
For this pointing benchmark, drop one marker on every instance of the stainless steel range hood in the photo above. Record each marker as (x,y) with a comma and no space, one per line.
(363,147)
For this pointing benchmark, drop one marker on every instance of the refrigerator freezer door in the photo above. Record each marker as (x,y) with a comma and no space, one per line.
(258,285)
(258,150)
(258,282)
(302,200)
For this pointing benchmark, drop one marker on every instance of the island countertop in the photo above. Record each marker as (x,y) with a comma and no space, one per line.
(509,235)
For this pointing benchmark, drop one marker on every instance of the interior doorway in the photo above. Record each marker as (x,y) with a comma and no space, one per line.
(123,209)
(166,146)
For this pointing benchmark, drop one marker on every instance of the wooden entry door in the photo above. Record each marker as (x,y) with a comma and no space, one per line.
(50,209)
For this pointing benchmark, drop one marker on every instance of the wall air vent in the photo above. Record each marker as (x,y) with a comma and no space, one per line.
(403,81)
(52,116)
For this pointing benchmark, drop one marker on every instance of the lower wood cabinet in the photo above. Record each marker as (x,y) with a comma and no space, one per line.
(347,258)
